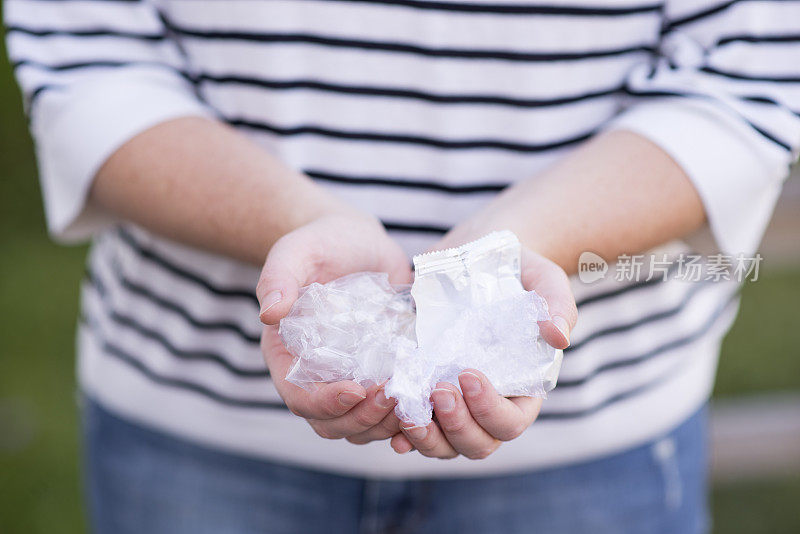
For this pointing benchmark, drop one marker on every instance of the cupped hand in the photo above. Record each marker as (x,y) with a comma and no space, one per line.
(321,251)
(473,424)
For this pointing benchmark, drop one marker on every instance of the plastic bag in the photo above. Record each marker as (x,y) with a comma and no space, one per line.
(348,329)
(471,312)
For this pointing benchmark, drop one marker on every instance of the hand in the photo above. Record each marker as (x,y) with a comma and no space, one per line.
(475,423)
(321,251)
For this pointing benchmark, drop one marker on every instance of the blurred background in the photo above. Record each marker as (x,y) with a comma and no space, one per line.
(755,415)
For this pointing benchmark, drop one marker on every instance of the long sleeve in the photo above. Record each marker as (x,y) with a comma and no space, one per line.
(93,75)
(723,99)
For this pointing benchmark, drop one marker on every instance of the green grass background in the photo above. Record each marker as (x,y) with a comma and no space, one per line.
(40,490)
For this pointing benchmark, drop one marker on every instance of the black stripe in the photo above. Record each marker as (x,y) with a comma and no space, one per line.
(58,67)
(105,1)
(500,9)
(699,15)
(758,39)
(445,144)
(172,306)
(37,92)
(94,32)
(393,226)
(403,183)
(173,268)
(577,414)
(622,290)
(764,133)
(681,94)
(116,352)
(514,9)
(664,347)
(95,282)
(768,100)
(157,259)
(167,304)
(404,48)
(574,414)
(658,316)
(762,99)
(61,67)
(392,92)
(751,77)
(315,85)
(129,322)
(82,64)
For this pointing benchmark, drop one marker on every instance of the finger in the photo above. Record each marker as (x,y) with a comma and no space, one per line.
(429,441)
(399,269)
(388,427)
(400,444)
(499,416)
(364,416)
(326,402)
(287,268)
(552,284)
(530,406)
(466,436)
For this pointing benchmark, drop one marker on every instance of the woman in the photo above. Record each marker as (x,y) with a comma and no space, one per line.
(196,142)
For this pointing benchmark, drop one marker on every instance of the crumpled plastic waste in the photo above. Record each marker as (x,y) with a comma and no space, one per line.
(469,310)
(348,329)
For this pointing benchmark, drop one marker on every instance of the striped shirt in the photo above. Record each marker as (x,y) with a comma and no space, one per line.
(418,112)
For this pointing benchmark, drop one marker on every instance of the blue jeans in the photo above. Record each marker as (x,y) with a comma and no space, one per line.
(143,481)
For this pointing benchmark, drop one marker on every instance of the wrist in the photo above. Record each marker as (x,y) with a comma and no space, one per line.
(316,204)
(511,212)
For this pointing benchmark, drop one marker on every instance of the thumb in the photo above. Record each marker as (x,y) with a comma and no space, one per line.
(552,284)
(285,271)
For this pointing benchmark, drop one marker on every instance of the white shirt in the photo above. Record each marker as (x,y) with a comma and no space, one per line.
(418,112)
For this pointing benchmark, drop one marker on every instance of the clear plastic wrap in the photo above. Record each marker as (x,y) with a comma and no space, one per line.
(471,312)
(348,329)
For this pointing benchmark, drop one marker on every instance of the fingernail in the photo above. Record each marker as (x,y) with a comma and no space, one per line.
(272,298)
(382,400)
(416,432)
(563,326)
(404,452)
(350,398)
(445,401)
(470,383)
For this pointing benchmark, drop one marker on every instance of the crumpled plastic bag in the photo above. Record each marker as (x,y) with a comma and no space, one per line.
(471,312)
(348,329)
(500,339)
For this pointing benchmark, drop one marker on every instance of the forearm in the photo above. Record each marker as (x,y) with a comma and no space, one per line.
(200,182)
(619,193)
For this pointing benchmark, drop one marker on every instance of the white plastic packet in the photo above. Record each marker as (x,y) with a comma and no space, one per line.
(471,312)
